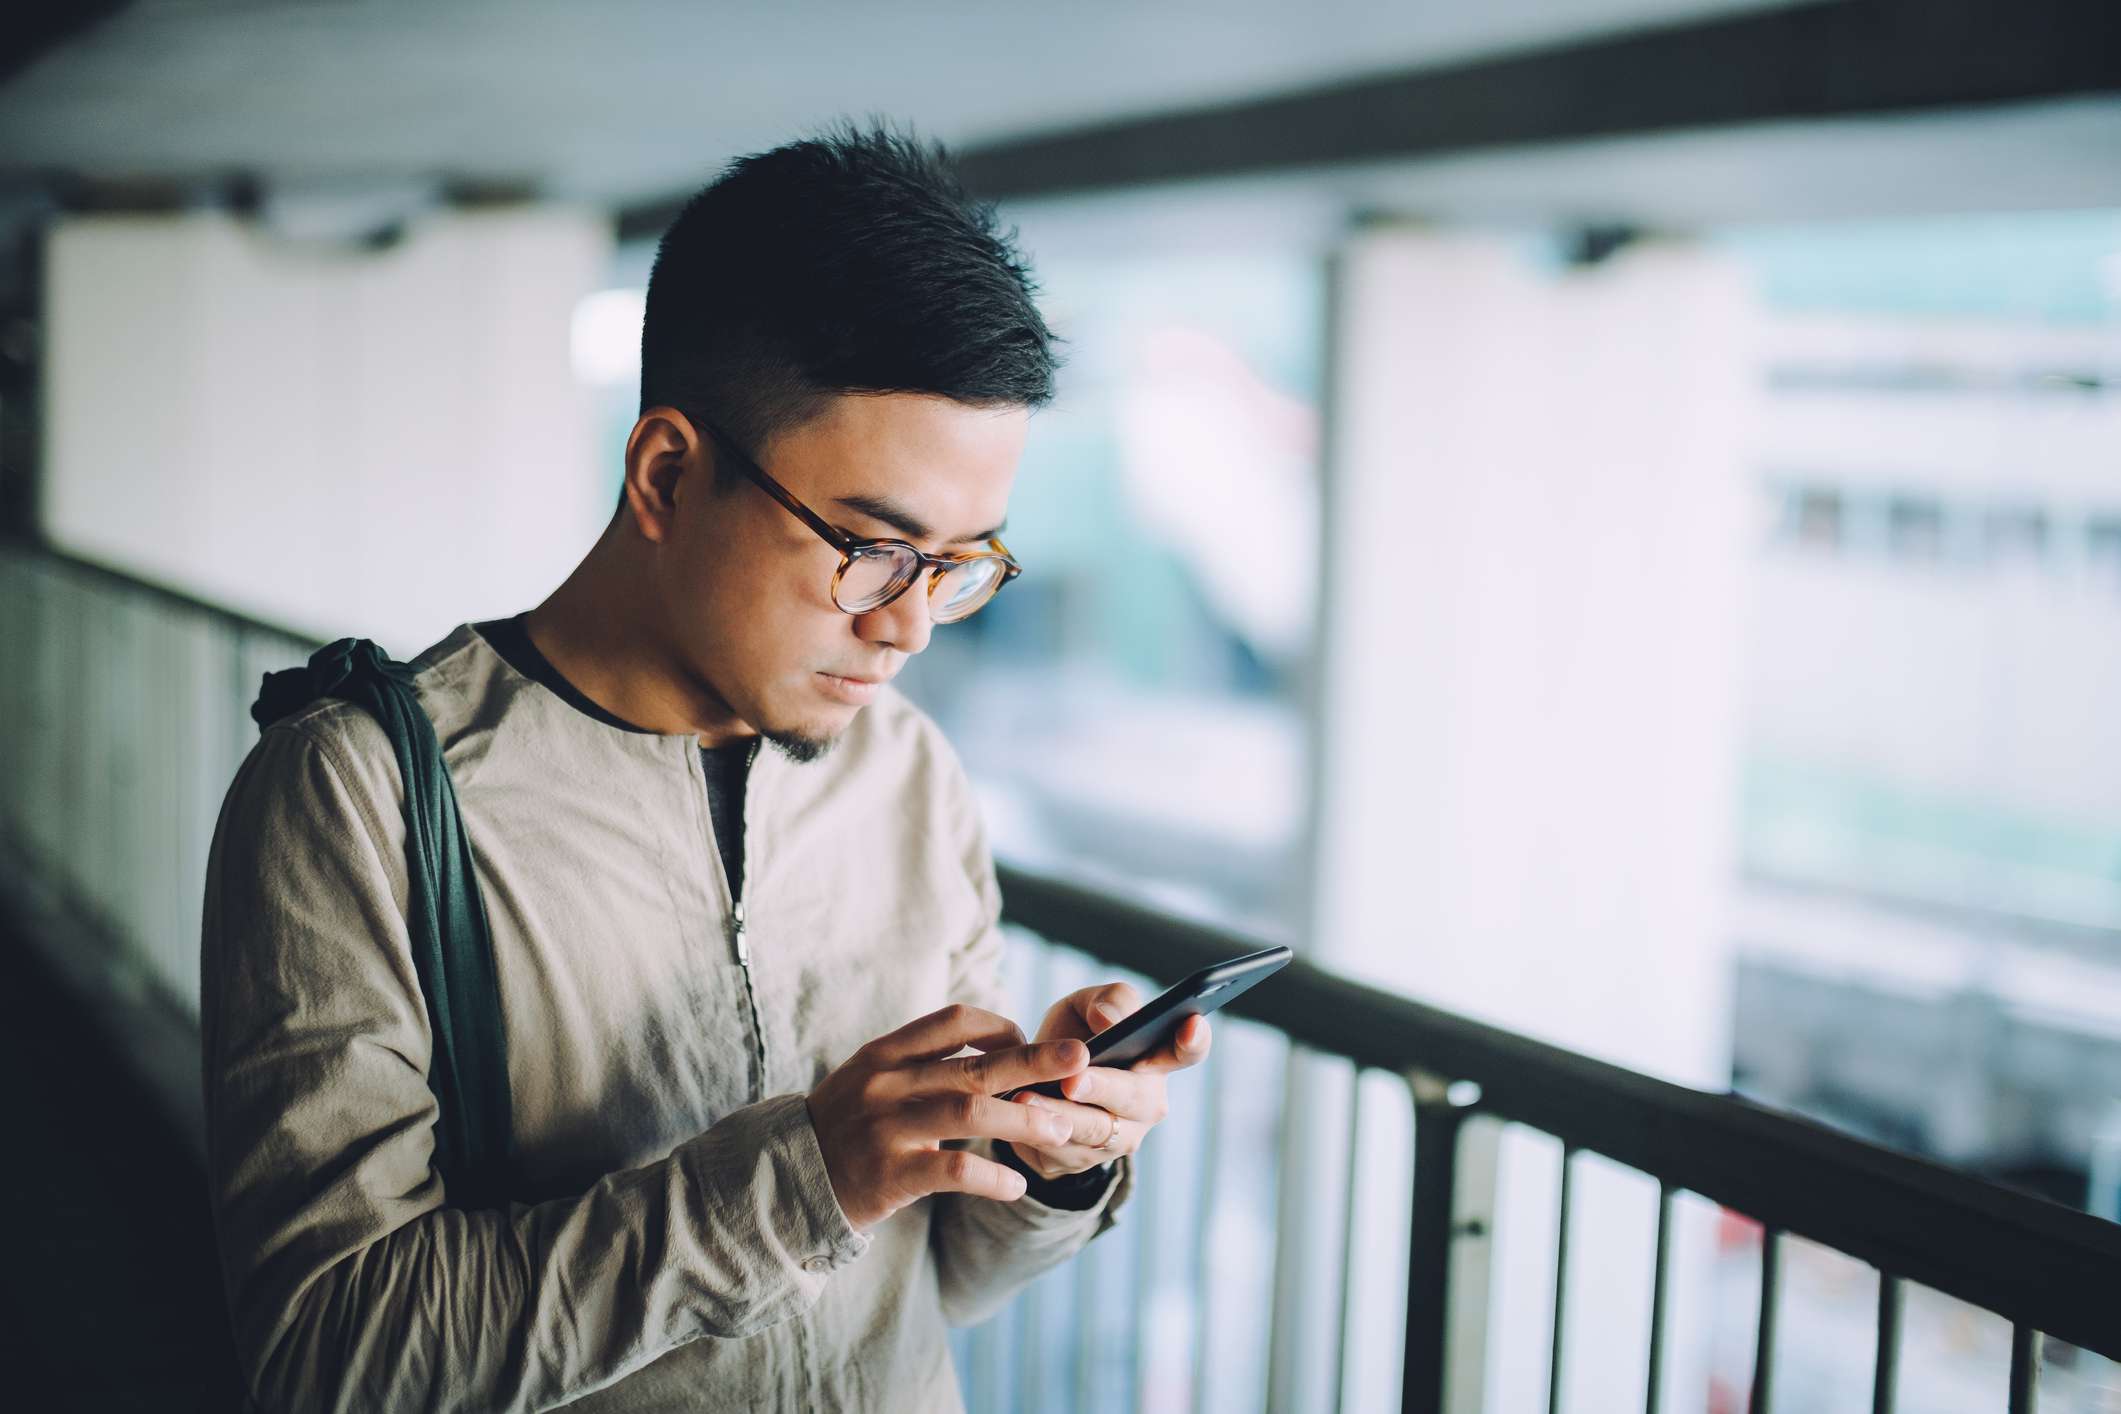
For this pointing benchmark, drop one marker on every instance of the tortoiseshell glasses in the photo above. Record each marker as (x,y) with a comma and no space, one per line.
(872,573)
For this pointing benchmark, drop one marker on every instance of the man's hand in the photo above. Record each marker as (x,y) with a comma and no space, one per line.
(881,1116)
(1108,1111)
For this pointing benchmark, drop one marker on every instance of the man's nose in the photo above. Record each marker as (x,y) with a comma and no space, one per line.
(902,624)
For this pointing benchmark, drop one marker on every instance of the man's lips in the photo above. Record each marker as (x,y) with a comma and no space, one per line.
(854,690)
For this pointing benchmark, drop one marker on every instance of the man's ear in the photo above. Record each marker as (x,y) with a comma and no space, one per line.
(661,452)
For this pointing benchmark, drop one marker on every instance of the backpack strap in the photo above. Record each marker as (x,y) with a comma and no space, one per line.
(452,947)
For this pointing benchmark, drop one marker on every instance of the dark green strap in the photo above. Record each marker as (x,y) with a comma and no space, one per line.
(452,949)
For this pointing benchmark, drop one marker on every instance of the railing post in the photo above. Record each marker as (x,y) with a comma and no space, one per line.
(1885,1380)
(1350,1197)
(1436,1124)
(1660,1281)
(1561,1286)
(1764,1334)
(2026,1346)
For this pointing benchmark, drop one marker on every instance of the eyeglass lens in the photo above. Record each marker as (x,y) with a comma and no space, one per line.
(964,588)
(877,574)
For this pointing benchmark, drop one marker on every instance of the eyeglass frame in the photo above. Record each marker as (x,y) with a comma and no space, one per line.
(936,566)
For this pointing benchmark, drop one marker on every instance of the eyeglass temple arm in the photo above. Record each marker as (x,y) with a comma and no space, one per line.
(802,512)
(774,489)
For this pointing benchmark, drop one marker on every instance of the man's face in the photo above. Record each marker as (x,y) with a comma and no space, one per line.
(748,587)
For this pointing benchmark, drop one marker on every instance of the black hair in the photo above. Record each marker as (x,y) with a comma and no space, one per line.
(851,262)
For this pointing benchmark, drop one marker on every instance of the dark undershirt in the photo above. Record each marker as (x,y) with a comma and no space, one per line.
(726,766)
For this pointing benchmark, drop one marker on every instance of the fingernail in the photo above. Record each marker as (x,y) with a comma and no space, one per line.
(1057,1129)
(1016,1184)
(1104,1014)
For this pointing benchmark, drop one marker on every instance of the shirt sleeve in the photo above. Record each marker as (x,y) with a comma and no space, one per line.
(350,1285)
(985,1250)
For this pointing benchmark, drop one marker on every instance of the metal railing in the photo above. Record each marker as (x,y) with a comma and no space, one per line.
(2047,1269)
(123,714)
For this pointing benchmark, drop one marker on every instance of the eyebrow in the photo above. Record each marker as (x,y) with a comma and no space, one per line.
(905,522)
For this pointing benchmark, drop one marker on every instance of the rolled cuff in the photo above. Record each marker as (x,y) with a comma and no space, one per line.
(804,1227)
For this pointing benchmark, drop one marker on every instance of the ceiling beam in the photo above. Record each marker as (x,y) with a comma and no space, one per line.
(29,32)
(1845,58)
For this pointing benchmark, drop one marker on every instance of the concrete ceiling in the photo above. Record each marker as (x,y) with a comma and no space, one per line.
(350,111)
(636,99)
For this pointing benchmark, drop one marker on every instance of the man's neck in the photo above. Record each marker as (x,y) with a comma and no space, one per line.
(603,631)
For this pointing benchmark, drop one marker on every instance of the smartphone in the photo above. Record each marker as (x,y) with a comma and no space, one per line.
(1132,1037)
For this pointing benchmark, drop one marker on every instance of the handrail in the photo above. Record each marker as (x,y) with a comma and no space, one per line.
(128,582)
(2033,1261)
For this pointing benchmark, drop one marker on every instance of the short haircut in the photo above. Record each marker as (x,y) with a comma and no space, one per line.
(852,262)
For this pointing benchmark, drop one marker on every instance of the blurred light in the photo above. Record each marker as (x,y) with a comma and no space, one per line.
(1211,451)
(606,338)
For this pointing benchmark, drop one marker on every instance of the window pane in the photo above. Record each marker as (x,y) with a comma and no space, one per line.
(1129,705)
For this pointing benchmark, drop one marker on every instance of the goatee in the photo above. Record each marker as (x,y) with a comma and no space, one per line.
(799,748)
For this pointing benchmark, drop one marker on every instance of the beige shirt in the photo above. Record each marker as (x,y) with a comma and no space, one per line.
(678,1245)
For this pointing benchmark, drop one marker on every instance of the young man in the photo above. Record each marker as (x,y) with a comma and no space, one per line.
(752,1170)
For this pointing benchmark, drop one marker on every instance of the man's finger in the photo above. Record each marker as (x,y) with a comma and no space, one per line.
(1189,1047)
(1109,1005)
(1088,1125)
(960,1171)
(945,1032)
(1006,1068)
(984,1117)
(1121,1091)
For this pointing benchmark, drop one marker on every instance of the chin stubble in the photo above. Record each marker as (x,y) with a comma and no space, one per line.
(799,748)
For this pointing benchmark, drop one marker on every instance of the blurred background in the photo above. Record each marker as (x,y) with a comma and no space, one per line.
(1601,515)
